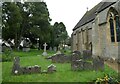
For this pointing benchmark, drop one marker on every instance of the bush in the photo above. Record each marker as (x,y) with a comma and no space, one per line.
(7,55)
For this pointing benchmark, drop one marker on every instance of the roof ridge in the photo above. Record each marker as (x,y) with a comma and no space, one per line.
(91,14)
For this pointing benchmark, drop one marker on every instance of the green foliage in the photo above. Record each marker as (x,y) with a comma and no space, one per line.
(31,20)
(58,34)
(7,55)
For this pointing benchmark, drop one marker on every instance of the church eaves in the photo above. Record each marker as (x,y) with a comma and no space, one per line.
(90,15)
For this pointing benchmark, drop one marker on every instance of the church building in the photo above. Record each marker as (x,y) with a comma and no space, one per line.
(99,30)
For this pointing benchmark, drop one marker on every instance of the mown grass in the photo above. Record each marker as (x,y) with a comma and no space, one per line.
(63,74)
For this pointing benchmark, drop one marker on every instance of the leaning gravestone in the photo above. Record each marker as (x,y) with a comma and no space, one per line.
(44,53)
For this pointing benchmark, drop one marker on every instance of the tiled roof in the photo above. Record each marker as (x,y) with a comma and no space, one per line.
(90,15)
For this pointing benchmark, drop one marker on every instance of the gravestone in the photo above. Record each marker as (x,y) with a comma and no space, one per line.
(87,55)
(60,58)
(88,65)
(86,62)
(98,63)
(44,53)
(25,43)
(77,65)
(50,48)
(58,52)
(16,66)
(17,69)
(77,52)
(51,68)
(55,49)
(31,69)
(76,55)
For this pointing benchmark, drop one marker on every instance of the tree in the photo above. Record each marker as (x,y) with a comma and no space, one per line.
(40,22)
(11,19)
(59,34)
(31,20)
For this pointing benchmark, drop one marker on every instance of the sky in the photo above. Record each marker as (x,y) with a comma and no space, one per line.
(69,11)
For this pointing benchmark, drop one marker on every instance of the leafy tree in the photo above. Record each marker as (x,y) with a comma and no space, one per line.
(59,34)
(12,19)
(31,20)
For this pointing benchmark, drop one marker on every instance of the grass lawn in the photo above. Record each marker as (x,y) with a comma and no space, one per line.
(63,74)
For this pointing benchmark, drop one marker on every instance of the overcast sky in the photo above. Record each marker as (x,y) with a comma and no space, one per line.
(69,11)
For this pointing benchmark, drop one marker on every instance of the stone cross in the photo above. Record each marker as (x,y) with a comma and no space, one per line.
(44,53)
(45,45)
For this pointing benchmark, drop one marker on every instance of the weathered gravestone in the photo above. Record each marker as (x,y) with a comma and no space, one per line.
(31,69)
(25,43)
(17,69)
(76,61)
(98,63)
(77,65)
(51,68)
(55,49)
(58,52)
(16,66)
(86,63)
(76,55)
(59,58)
(50,48)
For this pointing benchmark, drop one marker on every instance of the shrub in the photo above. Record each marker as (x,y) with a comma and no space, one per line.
(7,54)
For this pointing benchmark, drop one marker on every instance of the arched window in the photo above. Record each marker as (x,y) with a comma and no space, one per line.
(112,30)
(117,21)
(111,21)
(114,24)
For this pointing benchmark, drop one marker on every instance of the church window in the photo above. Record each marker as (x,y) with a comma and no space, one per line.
(117,28)
(112,30)
(114,23)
